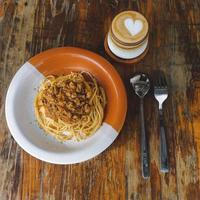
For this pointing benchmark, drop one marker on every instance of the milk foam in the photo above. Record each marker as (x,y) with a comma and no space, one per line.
(133,26)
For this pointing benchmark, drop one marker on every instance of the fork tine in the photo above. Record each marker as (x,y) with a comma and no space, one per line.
(164,81)
(160,79)
(156,79)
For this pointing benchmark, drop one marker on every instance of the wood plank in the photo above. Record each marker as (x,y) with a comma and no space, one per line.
(29,27)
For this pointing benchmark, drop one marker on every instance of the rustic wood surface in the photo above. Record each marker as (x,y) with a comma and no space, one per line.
(28,27)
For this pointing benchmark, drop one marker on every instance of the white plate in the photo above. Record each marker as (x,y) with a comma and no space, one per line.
(25,130)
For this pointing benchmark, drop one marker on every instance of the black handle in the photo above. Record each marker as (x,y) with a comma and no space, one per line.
(164,163)
(144,147)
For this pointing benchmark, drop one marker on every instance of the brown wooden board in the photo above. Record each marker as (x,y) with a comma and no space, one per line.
(29,27)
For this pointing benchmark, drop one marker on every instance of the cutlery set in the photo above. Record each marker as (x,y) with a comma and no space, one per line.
(141,86)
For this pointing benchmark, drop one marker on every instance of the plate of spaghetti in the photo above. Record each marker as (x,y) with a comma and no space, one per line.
(65,105)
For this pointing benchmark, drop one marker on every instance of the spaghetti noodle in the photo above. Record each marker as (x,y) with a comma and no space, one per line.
(70,106)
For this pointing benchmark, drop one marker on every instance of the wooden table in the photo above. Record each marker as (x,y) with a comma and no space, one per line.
(29,27)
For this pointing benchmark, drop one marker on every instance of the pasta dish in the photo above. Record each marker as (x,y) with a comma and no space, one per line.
(70,106)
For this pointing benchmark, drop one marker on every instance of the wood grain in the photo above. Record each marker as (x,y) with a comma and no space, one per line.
(28,27)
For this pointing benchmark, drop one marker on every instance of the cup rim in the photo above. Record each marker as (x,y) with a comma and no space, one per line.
(135,40)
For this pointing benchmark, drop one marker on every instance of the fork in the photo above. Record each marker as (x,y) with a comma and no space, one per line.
(161,94)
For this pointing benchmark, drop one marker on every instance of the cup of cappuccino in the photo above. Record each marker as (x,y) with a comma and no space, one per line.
(127,38)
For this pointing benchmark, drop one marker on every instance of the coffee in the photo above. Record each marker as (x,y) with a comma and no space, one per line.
(128,35)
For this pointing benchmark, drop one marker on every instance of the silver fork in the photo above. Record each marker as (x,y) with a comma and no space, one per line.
(161,94)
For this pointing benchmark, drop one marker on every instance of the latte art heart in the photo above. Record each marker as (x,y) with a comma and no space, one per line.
(133,26)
